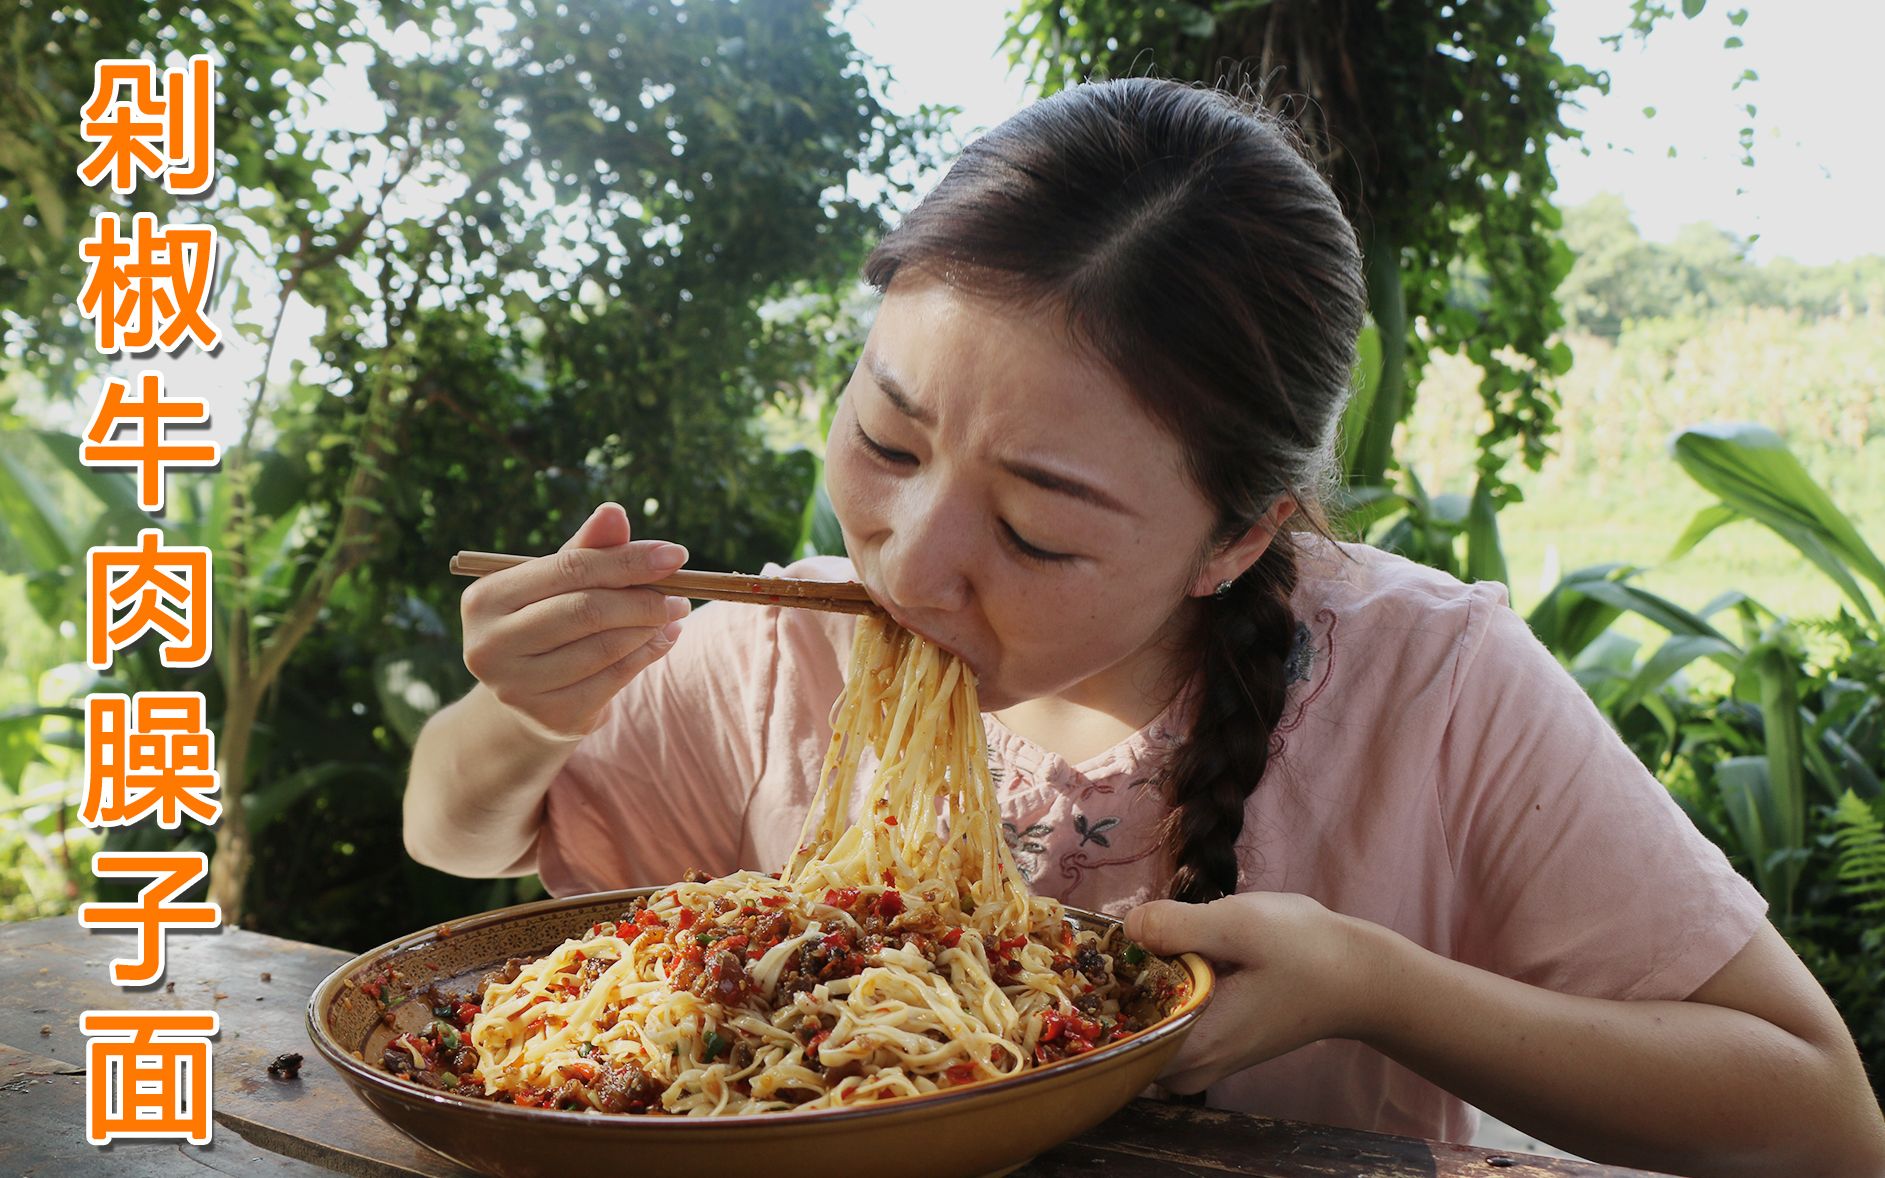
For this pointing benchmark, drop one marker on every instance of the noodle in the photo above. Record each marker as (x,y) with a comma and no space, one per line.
(898,954)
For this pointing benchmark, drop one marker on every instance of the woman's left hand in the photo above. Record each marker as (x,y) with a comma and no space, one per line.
(1290,972)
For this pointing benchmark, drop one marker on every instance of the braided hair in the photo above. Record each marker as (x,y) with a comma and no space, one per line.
(1182,237)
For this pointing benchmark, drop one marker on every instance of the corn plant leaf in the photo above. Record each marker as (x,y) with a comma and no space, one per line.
(1727,600)
(1449,510)
(1567,619)
(1677,652)
(1356,509)
(1656,608)
(1754,473)
(1748,797)
(1485,556)
(1366,380)
(1714,516)
(1774,665)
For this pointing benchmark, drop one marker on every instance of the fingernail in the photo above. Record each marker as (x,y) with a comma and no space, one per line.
(670,633)
(678,608)
(667,556)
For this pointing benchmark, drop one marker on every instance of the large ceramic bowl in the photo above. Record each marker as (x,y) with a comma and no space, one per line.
(982,1128)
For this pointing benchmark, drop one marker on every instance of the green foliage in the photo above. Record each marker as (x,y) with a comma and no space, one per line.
(1609,493)
(1432,122)
(552,273)
(1758,478)
(1782,770)
(1620,279)
(270,51)
(1861,840)
(1457,534)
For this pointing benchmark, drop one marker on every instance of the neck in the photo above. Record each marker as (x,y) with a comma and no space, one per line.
(1091,716)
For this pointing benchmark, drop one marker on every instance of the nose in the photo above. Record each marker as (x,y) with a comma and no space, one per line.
(925,561)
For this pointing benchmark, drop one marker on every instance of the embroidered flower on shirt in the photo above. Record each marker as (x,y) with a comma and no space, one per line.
(1302,655)
(1096,833)
(1026,847)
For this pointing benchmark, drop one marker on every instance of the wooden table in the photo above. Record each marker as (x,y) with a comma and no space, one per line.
(51,970)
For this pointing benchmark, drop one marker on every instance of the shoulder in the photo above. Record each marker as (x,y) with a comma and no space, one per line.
(794,655)
(1392,603)
(1358,577)
(754,652)
(816,568)
(1380,636)
(809,634)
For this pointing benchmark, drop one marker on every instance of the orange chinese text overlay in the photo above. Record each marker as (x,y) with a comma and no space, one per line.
(162,763)
(148,449)
(130,591)
(147,1074)
(169,133)
(148,289)
(152,914)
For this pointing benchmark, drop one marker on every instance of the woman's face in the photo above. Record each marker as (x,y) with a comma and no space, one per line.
(1004,496)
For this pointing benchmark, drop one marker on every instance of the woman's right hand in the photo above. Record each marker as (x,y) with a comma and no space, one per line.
(555,638)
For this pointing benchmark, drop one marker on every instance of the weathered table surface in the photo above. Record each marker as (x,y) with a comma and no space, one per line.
(52,970)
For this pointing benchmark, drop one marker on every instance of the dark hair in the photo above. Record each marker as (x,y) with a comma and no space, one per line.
(1189,245)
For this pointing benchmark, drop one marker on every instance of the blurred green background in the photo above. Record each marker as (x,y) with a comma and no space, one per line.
(487,265)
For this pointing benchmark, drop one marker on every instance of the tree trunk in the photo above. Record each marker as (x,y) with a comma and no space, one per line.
(1387,302)
(229,869)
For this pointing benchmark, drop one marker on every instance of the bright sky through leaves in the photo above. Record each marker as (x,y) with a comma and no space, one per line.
(1812,195)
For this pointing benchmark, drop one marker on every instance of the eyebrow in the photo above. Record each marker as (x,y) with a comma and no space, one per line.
(893,390)
(1039,476)
(1048,480)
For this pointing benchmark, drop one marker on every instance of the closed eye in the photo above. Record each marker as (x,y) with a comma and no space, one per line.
(894,457)
(1030,552)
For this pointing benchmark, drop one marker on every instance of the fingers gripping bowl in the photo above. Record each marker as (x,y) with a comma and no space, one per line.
(977,1127)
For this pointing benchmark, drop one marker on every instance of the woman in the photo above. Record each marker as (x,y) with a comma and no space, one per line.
(1080,450)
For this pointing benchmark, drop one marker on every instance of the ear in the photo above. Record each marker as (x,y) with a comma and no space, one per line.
(1235,558)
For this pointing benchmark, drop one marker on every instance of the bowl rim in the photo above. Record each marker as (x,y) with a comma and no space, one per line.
(1203,984)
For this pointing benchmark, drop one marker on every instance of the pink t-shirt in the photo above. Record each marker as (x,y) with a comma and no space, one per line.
(1438,773)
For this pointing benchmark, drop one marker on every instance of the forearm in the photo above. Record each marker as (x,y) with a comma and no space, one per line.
(474,795)
(1681,1086)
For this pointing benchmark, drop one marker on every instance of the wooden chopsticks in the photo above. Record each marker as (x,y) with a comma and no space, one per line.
(844,597)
